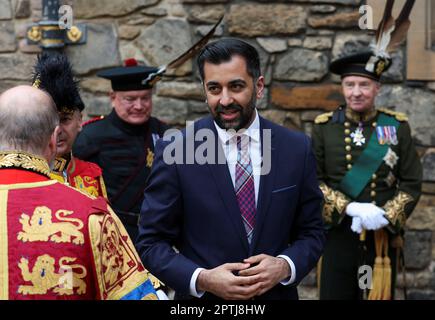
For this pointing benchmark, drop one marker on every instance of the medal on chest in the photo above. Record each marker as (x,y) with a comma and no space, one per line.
(387,135)
(391,158)
(358,136)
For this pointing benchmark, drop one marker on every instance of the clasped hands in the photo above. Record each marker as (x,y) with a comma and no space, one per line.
(366,216)
(241,281)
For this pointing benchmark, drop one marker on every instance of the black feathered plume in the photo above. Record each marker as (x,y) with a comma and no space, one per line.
(53,74)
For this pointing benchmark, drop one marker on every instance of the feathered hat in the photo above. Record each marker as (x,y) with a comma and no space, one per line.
(53,74)
(390,34)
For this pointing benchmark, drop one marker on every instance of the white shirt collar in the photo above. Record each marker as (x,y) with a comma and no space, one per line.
(253,131)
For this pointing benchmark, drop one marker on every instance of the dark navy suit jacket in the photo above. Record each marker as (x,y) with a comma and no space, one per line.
(194,208)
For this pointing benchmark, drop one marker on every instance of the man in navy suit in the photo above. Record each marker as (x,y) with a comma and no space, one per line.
(246,222)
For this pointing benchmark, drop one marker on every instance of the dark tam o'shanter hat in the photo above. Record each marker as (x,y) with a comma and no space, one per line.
(53,74)
(389,36)
(129,77)
(355,65)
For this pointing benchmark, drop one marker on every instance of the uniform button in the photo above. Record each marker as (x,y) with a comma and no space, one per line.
(347,124)
(348,148)
(374,176)
(373,194)
(349,166)
(348,140)
(347,132)
(373,185)
(349,157)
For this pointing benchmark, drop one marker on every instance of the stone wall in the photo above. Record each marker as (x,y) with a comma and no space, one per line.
(296,39)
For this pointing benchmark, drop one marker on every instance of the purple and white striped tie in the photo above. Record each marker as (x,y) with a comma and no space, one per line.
(244,185)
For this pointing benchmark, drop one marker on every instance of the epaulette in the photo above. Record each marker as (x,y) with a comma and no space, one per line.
(92,120)
(400,116)
(323,118)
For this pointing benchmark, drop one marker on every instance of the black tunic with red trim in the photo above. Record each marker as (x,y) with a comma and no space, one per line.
(125,153)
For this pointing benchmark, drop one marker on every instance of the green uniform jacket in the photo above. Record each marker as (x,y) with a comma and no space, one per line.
(395,186)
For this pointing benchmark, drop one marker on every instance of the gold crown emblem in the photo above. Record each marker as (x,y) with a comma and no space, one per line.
(380,67)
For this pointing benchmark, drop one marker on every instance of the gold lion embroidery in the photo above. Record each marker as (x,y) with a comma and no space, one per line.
(41,228)
(44,278)
(92,185)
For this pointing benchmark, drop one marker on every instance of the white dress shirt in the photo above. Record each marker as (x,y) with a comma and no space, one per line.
(229,145)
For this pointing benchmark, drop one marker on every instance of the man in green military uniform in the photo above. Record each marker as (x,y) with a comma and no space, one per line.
(370,175)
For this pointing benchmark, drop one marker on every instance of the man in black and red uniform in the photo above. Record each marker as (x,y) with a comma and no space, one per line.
(53,74)
(122,143)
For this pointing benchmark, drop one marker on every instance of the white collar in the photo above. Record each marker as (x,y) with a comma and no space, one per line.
(253,131)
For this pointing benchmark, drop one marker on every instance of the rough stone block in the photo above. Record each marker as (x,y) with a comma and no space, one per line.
(7,37)
(429,165)
(100,50)
(421,294)
(5,10)
(16,66)
(417,104)
(302,65)
(164,41)
(326,97)
(172,111)
(22,9)
(272,45)
(243,19)
(92,9)
(205,14)
(342,20)
(418,249)
(423,216)
(181,90)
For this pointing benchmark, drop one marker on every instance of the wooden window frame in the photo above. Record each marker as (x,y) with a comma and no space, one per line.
(420,44)
(431,24)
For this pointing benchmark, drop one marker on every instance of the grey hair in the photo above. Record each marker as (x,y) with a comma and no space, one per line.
(27,128)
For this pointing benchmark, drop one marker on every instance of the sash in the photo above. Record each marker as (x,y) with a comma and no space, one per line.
(356,179)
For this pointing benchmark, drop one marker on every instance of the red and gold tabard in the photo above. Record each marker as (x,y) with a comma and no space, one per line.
(82,175)
(58,243)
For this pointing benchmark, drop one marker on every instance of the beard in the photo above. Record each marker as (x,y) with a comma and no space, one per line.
(240,122)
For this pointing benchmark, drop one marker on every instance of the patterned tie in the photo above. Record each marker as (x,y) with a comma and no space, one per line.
(244,186)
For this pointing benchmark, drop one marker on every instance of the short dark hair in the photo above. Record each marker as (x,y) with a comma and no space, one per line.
(223,50)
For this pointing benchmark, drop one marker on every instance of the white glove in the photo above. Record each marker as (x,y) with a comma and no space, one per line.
(371,217)
(356,225)
(375,222)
